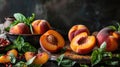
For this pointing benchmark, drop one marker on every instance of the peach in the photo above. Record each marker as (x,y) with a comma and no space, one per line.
(13,51)
(29,55)
(40,26)
(75,30)
(41,58)
(110,36)
(82,43)
(20,28)
(52,41)
(4,59)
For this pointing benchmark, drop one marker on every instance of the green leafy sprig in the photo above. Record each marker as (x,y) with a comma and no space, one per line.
(99,54)
(64,62)
(21,45)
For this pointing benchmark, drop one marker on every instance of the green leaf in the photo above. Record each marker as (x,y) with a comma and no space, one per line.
(64,62)
(113,27)
(1,54)
(112,63)
(103,46)
(21,45)
(30,61)
(83,65)
(20,64)
(20,17)
(96,57)
(59,59)
(12,58)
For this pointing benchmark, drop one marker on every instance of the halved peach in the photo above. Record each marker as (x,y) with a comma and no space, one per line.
(82,43)
(4,59)
(13,51)
(52,41)
(41,58)
(29,55)
(75,30)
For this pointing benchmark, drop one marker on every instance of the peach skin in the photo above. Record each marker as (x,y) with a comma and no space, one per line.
(40,26)
(110,36)
(75,30)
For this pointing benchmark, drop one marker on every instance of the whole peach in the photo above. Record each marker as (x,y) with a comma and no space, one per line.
(40,26)
(20,28)
(110,36)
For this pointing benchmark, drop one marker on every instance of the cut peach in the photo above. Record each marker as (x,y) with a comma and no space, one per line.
(40,26)
(77,29)
(41,58)
(13,51)
(4,59)
(82,43)
(52,41)
(29,55)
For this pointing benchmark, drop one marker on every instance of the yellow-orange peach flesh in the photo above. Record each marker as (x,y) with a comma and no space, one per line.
(82,43)
(52,41)
(75,30)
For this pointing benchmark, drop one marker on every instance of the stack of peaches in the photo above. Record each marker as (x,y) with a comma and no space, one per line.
(80,38)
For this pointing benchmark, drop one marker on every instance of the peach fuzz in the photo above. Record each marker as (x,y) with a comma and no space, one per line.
(75,30)
(82,43)
(40,26)
(110,36)
(52,41)
(20,28)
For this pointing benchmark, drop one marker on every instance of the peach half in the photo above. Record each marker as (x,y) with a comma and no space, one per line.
(82,43)
(52,41)
(4,59)
(13,51)
(40,26)
(41,58)
(75,30)
(110,36)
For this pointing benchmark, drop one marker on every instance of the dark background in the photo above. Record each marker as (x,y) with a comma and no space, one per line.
(63,14)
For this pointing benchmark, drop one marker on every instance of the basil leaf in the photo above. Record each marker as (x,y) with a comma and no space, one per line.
(96,57)
(59,59)
(20,17)
(12,58)
(103,46)
(30,61)
(28,47)
(83,65)
(113,27)
(20,64)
